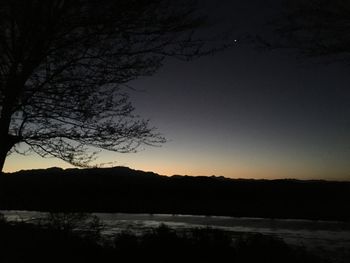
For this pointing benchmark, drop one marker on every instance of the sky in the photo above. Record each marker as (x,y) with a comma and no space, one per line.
(240,113)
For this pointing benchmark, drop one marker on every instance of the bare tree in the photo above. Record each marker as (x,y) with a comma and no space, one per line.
(315,28)
(64,65)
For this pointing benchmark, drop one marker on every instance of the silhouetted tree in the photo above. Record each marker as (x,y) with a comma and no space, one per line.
(64,65)
(316,28)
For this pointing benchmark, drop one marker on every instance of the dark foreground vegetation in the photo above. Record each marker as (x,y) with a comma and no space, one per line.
(124,190)
(45,242)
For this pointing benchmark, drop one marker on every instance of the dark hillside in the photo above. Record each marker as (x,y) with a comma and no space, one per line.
(121,189)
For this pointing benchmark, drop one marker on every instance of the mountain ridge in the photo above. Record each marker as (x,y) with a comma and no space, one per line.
(124,169)
(121,189)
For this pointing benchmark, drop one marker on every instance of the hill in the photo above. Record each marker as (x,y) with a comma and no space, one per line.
(121,189)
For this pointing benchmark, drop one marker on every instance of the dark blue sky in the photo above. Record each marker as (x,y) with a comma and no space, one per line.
(244,112)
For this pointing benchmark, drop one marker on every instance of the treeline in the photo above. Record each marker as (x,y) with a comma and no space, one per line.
(121,189)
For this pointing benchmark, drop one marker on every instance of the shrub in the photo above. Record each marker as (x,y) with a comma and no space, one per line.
(86,224)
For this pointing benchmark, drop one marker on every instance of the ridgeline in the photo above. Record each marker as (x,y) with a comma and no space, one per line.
(124,190)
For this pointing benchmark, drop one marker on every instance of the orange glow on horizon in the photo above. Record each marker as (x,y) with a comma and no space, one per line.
(17,163)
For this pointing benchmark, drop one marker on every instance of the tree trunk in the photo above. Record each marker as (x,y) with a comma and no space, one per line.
(11,92)
(5,138)
(3,154)
(6,144)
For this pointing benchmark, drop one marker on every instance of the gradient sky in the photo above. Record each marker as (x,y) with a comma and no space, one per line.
(240,113)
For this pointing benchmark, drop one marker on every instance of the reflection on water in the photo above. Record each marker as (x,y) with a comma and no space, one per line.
(321,236)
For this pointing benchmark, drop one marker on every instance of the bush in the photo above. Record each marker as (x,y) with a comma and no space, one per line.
(269,249)
(164,244)
(25,242)
(86,224)
(2,219)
